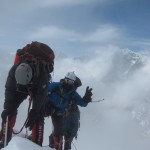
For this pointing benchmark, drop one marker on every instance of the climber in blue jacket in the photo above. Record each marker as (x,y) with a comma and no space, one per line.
(60,94)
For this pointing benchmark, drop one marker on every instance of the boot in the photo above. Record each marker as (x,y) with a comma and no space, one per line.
(58,142)
(37,132)
(68,141)
(9,128)
(67,145)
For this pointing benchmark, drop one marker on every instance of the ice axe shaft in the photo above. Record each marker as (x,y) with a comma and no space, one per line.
(98,100)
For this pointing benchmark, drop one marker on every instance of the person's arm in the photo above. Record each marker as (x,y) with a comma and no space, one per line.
(86,98)
(79,100)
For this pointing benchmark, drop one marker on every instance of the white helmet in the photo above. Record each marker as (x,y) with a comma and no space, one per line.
(71,76)
(23,74)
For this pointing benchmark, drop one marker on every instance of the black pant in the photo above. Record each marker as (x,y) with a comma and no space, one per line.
(58,123)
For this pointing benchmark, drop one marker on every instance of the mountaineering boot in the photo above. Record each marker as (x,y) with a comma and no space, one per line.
(9,128)
(37,132)
(67,145)
(58,142)
(68,141)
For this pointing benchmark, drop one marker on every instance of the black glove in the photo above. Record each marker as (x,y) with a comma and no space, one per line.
(33,116)
(7,113)
(88,94)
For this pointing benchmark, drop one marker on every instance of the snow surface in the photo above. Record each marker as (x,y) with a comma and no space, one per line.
(19,143)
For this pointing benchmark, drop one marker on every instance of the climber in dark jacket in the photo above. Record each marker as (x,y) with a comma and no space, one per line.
(60,94)
(29,76)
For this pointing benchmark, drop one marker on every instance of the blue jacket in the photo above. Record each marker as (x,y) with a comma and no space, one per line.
(59,97)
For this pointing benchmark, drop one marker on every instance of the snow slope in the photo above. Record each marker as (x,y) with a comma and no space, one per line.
(19,143)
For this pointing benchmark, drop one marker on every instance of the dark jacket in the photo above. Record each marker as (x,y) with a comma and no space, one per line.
(38,87)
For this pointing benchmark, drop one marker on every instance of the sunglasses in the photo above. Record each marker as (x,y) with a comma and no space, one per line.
(68,81)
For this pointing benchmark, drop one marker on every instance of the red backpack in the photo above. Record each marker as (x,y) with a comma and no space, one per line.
(38,52)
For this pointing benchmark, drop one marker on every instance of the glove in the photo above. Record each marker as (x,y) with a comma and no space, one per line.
(33,116)
(8,113)
(88,94)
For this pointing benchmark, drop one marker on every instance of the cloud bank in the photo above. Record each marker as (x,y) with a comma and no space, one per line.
(122,78)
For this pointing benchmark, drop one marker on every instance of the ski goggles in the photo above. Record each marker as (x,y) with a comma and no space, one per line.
(69,81)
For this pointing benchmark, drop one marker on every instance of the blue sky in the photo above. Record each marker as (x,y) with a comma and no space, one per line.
(73,27)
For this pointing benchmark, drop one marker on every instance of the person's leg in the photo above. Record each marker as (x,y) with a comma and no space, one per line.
(58,142)
(51,141)
(37,132)
(58,131)
(11,104)
(73,125)
(36,115)
(68,141)
(67,130)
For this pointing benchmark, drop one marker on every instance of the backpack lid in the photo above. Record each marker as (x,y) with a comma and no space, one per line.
(39,51)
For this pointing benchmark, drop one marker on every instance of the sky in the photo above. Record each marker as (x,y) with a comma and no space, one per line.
(106,43)
(75,27)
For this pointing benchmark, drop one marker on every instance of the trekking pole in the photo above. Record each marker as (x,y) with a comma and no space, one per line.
(6,130)
(98,100)
(74,146)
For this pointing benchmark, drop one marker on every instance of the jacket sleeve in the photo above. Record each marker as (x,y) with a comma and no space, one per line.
(79,100)
(51,86)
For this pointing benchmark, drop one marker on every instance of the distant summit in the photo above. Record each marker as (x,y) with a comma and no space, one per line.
(123,63)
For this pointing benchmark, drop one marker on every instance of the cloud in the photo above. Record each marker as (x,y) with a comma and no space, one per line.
(106,34)
(66,3)
(53,32)
(46,3)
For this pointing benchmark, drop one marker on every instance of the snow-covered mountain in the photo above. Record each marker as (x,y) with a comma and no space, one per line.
(122,78)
